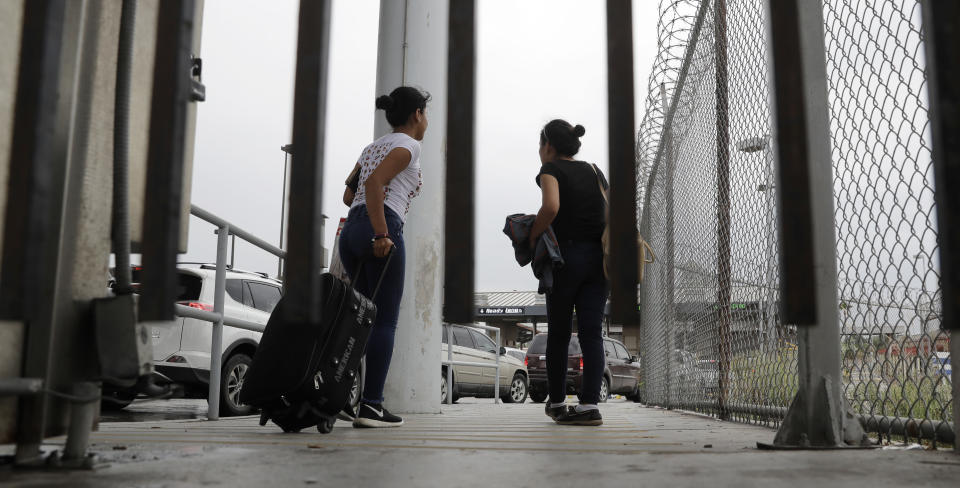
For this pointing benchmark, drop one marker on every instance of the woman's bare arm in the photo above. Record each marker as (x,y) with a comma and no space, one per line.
(396,161)
(549,206)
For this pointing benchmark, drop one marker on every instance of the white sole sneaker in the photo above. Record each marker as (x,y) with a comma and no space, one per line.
(361,422)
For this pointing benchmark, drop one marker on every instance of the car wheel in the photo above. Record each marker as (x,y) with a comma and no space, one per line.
(537,397)
(635,395)
(231,381)
(446,389)
(518,390)
(604,389)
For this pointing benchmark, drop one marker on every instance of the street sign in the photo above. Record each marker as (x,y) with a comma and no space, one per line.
(500,311)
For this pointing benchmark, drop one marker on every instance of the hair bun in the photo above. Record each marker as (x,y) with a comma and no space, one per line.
(579,131)
(384,102)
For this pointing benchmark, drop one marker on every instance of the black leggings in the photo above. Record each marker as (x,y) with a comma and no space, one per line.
(580,282)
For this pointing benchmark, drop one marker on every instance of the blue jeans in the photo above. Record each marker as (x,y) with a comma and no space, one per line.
(579,283)
(356,248)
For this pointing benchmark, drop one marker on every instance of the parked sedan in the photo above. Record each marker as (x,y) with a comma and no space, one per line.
(621,374)
(478,380)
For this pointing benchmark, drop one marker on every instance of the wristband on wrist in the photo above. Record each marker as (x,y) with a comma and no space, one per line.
(381,236)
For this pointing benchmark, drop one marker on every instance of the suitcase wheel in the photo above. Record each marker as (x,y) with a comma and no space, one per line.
(326,426)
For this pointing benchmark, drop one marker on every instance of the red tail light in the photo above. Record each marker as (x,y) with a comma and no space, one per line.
(200,306)
(581,363)
(526,360)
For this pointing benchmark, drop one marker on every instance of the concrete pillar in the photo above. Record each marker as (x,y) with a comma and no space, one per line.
(413,51)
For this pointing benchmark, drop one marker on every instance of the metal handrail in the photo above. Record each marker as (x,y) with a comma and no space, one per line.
(449,362)
(20,386)
(217,318)
(207,316)
(247,236)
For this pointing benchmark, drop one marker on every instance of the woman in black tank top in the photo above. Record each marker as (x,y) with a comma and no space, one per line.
(574,206)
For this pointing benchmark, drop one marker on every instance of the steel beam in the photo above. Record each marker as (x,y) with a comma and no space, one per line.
(941,21)
(798,297)
(31,192)
(35,200)
(304,260)
(818,416)
(623,188)
(165,158)
(459,241)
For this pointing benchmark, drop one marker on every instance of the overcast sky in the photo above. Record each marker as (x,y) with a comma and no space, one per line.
(537,60)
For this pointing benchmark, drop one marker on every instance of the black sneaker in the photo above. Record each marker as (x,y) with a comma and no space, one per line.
(554,412)
(587,417)
(373,416)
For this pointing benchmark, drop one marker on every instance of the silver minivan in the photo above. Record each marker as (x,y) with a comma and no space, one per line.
(472,345)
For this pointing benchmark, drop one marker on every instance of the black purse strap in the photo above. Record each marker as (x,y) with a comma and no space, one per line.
(603,191)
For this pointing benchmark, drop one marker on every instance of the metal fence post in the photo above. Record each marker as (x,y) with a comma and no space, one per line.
(287,148)
(669,251)
(955,352)
(216,341)
(723,207)
(818,415)
(83,413)
(496,391)
(449,368)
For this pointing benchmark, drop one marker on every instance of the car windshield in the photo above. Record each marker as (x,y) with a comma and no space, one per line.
(539,345)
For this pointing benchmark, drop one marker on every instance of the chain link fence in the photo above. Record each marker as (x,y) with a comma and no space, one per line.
(712,340)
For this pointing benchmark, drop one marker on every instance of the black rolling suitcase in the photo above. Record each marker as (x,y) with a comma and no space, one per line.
(302,373)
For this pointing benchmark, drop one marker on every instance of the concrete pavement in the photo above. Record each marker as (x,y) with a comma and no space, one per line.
(481,444)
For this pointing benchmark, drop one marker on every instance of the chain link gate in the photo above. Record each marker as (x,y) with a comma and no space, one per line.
(712,340)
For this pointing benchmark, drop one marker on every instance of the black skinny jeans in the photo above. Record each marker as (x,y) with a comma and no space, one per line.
(580,282)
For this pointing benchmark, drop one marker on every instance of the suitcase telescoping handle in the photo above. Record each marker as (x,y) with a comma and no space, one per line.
(383,273)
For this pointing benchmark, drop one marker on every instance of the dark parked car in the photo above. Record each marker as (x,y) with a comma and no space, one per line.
(621,375)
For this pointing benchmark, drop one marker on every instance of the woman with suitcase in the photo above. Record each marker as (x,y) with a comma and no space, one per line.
(389,178)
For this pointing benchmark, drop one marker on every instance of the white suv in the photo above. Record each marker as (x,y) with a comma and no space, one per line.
(181,348)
